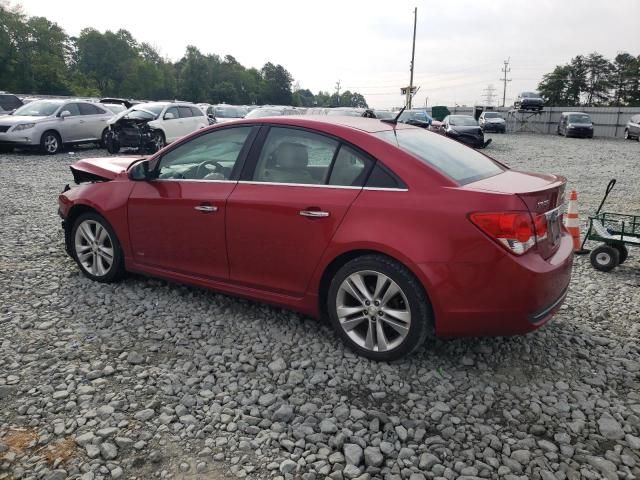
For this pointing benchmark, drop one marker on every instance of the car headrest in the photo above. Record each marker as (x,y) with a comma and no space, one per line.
(291,155)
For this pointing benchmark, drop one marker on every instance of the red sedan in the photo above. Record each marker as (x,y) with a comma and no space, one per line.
(390,230)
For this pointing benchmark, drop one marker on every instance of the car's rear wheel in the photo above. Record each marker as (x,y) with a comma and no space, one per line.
(379,308)
(50,143)
(103,138)
(112,144)
(605,258)
(96,248)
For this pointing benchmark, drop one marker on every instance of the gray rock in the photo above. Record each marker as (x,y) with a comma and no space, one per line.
(135,358)
(144,415)
(353,454)
(108,450)
(373,457)
(610,428)
(283,414)
(288,467)
(278,365)
(427,461)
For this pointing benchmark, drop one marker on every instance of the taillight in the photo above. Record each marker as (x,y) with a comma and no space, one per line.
(516,231)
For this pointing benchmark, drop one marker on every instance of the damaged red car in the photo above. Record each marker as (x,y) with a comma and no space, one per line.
(391,231)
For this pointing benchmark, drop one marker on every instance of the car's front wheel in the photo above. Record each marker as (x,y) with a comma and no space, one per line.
(96,248)
(50,143)
(379,308)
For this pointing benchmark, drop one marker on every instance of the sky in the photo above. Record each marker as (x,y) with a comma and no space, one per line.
(366,45)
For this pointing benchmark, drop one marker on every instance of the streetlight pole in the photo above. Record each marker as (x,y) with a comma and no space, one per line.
(413,54)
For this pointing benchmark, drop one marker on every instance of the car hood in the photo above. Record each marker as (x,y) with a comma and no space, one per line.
(102,169)
(466,128)
(226,119)
(13,120)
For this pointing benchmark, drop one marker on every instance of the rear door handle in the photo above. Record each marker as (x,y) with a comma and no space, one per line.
(314,213)
(206,208)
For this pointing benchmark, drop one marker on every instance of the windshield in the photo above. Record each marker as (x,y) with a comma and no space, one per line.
(462,121)
(455,160)
(228,112)
(492,115)
(581,118)
(42,108)
(114,108)
(145,111)
(345,113)
(264,112)
(530,95)
(384,114)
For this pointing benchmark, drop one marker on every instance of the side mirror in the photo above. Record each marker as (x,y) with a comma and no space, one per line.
(65,114)
(169,116)
(140,171)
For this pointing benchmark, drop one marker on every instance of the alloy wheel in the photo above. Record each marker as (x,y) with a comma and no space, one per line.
(94,248)
(51,144)
(373,311)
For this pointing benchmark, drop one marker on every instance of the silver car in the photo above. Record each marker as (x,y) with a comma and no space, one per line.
(50,124)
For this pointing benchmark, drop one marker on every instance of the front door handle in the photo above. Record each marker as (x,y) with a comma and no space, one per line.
(206,208)
(314,213)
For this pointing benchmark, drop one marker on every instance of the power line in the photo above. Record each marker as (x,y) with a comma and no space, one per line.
(505,70)
(489,95)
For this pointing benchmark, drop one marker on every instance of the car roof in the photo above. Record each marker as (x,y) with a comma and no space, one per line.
(369,125)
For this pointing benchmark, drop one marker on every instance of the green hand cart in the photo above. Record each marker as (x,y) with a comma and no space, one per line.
(616,231)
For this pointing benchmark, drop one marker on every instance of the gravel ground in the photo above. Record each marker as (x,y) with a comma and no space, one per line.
(146,379)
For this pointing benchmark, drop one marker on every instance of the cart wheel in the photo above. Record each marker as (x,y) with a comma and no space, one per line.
(605,258)
(623,253)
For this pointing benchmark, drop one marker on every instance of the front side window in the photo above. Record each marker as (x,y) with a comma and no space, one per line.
(72,108)
(458,162)
(211,156)
(295,156)
(171,113)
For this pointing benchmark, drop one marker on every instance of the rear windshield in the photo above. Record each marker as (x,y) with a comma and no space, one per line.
(458,162)
(579,118)
(462,121)
(9,102)
(492,115)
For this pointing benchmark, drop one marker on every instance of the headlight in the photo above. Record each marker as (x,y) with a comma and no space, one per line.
(24,126)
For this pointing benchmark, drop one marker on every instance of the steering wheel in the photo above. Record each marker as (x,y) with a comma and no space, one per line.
(202,170)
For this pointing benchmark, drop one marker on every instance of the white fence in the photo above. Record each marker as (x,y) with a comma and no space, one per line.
(607,121)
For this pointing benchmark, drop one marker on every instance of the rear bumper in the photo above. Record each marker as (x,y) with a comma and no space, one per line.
(489,127)
(512,296)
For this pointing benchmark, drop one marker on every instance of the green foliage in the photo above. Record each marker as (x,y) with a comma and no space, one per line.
(37,56)
(594,80)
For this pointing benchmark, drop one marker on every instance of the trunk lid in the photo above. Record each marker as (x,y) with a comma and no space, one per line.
(543,195)
(102,169)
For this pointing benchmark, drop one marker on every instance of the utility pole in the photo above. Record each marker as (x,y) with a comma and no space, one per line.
(505,70)
(489,95)
(338,92)
(413,55)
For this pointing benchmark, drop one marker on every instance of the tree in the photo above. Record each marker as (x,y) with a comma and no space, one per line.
(276,85)
(626,80)
(554,86)
(599,74)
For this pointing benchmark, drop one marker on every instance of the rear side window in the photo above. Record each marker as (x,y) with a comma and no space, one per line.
(87,109)
(9,102)
(196,112)
(349,169)
(382,178)
(455,160)
(185,112)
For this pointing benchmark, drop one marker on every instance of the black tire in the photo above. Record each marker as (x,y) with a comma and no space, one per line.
(623,252)
(604,258)
(103,138)
(158,142)
(116,269)
(558,130)
(6,149)
(411,297)
(50,143)
(626,134)
(112,144)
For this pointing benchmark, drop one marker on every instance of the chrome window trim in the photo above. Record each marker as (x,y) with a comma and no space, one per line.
(192,180)
(313,185)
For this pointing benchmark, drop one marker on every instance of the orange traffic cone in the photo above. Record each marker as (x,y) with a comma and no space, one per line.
(572,222)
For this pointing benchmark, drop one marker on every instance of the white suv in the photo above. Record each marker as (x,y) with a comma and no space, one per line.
(150,126)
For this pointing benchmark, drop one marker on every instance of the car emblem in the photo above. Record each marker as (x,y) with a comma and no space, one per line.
(543,204)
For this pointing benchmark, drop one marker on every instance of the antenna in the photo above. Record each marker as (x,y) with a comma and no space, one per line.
(394,121)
